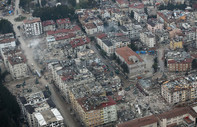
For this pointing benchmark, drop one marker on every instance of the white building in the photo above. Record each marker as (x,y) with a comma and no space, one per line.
(9,42)
(18,66)
(140,16)
(148,39)
(32,27)
(49,118)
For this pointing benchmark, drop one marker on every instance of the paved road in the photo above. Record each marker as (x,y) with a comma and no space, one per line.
(160,60)
(59,102)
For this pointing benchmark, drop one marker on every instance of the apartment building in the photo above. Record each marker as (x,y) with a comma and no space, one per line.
(32,27)
(63,23)
(153,25)
(140,16)
(7,42)
(183,117)
(134,62)
(39,111)
(137,7)
(178,61)
(148,39)
(18,66)
(179,90)
(9,51)
(110,44)
(93,110)
(48,25)
(176,44)
(49,118)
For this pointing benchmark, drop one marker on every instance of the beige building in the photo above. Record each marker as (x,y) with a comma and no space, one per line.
(134,62)
(18,66)
(148,39)
(184,116)
(179,90)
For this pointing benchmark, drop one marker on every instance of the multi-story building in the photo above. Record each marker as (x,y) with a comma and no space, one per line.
(140,16)
(39,111)
(32,27)
(93,110)
(63,23)
(148,39)
(184,116)
(18,66)
(132,32)
(49,118)
(109,45)
(7,42)
(134,62)
(48,25)
(178,61)
(137,7)
(9,51)
(153,25)
(179,90)
(175,44)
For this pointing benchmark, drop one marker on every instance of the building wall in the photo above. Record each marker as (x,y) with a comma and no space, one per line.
(33,29)
(175,45)
(9,44)
(179,66)
(18,70)
(155,28)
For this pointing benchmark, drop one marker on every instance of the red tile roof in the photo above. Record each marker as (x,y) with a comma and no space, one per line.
(7,40)
(101,35)
(28,21)
(122,2)
(48,22)
(126,52)
(139,122)
(63,21)
(106,104)
(74,29)
(17,59)
(70,35)
(79,42)
(177,112)
(137,5)
(187,60)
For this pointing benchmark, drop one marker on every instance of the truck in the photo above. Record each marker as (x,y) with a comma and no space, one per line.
(38,74)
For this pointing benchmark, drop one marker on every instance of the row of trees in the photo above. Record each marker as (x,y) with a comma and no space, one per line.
(6,26)
(172,7)
(9,108)
(122,64)
(48,13)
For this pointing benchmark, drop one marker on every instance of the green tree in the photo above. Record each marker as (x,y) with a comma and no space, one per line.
(132,14)
(43,3)
(9,108)
(125,67)
(9,2)
(48,13)
(194,64)
(6,26)
(133,46)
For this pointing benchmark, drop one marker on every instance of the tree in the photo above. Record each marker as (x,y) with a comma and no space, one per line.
(194,64)
(43,3)
(48,13)
(9,108)
(25,4)
(125,67)
(133,46)
(9,2)
(132,14)
(6,26)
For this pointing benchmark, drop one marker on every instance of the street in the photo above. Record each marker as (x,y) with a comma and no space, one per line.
(28,52)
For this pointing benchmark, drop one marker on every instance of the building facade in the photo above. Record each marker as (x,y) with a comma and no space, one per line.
(32,27)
